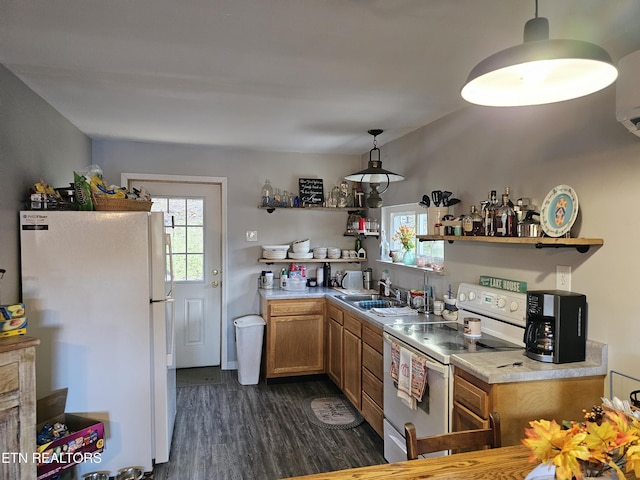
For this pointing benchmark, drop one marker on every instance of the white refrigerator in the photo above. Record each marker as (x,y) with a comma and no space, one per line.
(97,288)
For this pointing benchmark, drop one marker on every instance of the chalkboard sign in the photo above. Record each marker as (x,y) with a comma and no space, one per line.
(311,191)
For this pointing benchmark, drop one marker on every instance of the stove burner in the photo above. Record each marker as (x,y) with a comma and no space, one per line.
(452,346)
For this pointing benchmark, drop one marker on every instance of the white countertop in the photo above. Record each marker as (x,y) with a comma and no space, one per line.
(482,365)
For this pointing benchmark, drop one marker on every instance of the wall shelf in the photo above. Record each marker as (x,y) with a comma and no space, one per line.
(362,234)
(414,267)
(582,245)
(349,210)
(312,260)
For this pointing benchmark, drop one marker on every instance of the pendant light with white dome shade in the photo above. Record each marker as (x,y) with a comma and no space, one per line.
(539,71)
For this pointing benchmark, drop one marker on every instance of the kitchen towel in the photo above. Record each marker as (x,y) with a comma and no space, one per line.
(404,379)
(394,312)
(418,373)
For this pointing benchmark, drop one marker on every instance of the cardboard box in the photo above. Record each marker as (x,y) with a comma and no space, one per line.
(7,312)
(84,443)
(13,324)
(14,332)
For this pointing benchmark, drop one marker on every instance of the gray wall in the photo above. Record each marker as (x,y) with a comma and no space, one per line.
(531,150)
(35,142)
(246,172)
(470,152)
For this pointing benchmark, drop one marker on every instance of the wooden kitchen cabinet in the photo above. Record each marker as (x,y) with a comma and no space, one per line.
(334,344)
(354,362)
(352,359)
(372,377)
(519,403)
(18,405)
(295,333)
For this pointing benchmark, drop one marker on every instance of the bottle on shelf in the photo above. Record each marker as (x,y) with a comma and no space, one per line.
(490,214)
(505,219)
(283,278)
(476,221)
(358,244)
(267,193)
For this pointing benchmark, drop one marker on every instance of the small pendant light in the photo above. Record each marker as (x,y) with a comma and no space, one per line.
(374,174)
(539,71)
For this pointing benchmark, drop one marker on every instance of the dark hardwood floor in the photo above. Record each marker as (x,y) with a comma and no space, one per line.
(230,431)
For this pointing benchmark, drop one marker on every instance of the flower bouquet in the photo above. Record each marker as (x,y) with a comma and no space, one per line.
(603,443)
(406,235)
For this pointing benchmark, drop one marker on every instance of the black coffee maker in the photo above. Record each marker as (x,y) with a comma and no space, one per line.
(556,328)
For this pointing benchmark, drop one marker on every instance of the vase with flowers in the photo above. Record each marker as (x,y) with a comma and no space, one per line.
(601,446)
(406,235)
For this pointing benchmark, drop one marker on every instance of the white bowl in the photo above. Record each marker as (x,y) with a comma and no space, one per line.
(451,316)
(450,301)
(301,246)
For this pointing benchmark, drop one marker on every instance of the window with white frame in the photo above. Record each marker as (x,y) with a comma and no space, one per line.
(414,216)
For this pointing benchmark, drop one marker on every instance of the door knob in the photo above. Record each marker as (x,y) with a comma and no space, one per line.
(215,283)
(214,272)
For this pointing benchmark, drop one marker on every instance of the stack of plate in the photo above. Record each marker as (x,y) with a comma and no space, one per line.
(301,256)
(333,252)
(274,252)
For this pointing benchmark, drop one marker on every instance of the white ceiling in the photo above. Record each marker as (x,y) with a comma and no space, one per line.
(277,75)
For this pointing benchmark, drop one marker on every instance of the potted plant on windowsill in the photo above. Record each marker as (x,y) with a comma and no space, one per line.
(406,234)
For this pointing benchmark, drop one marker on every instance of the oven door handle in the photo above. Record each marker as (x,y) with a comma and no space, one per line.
(431,364)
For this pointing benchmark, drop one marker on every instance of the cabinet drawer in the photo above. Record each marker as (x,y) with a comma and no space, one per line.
(372,338)
(9,378)
(471,396)
(464,419)
(335,314)
(372,360)
(372,386)
(373,414)
(353,325)
(296,307)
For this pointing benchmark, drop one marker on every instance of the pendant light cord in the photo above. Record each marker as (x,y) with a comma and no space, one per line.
(536,8)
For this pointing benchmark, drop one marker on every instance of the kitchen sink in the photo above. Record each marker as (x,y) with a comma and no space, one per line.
(367,302)
(359,298)
(388,303)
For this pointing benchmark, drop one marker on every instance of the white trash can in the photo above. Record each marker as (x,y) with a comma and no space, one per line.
(249,334)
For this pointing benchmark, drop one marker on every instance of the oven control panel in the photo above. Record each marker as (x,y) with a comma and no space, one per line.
(501,304)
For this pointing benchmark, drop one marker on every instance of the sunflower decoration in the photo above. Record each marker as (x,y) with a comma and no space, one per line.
(604,441)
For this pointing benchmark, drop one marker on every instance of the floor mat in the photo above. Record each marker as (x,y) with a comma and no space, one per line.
(333,412)
(192,377)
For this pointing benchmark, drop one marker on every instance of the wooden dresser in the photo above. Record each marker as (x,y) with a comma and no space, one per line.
(18,406)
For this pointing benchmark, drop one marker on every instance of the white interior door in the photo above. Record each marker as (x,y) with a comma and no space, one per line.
(193,217)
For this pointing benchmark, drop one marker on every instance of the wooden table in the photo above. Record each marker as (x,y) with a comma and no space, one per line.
(506,463)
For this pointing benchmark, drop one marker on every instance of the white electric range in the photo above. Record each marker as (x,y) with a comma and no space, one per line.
(502,315)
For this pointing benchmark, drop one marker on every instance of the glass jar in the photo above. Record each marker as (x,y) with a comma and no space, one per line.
(267,194)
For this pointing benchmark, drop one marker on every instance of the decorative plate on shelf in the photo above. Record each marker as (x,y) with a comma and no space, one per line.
(559,211)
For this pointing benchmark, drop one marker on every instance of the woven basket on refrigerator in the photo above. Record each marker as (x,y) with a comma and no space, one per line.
(102,203)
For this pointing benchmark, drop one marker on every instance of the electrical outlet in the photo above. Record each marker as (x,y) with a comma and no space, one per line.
(252,236)
(563,277)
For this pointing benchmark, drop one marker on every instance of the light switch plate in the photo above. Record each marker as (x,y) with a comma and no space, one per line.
(252,235)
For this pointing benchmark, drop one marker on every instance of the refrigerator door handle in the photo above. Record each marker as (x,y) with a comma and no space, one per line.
(171,357)
(167,240)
